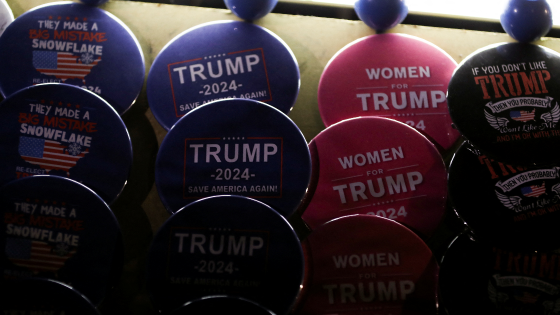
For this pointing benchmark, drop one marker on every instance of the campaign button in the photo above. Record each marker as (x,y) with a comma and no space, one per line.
(362,264)
(239,147)
(503,98)
(476,276)
(76,44)
(376,166)
(508,205)
(221,60)
(225,245)
(394,76)
(59,229)
(43,296)
(63,130)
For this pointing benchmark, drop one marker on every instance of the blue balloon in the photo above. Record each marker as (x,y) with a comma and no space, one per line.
(251,10)
(381,14)
(93,2)
(527,20)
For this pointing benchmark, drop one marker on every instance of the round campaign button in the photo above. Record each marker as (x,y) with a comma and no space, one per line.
(514,206)
(6,16)
(59,129)
(221,60)
(57,228)
(358,264)
(43,296)
(227,245)
(221,304)
(503,98)
(376,166)
(239,147)
(76,44)
(390,75)
(475,276)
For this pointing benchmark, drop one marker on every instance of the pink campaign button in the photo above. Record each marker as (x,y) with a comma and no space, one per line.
(367,265)
(377,166)
(390,75)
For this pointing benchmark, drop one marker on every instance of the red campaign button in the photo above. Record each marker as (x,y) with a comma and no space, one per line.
(390,75)
(377,166)
(359,264)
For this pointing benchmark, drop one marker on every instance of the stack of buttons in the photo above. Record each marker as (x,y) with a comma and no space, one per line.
(231,170)
(69,71)
(378,189)
(504,181)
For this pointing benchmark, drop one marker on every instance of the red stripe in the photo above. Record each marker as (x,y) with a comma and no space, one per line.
(36,263)
(41,261)
(61,155)
(536,192)
(76,66)
(54,144)
(77,71)
(66,158)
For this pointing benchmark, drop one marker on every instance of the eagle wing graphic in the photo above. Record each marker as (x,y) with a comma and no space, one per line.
(496,122)
(552,116)
(509,202)
(556,188)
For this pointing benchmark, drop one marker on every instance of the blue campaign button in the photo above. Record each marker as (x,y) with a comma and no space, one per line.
(44,296)
(60,129)
(225,245)
(219,60)
(75,44)
(239,147)
(59,229)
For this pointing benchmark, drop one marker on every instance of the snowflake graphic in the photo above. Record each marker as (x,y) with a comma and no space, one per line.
(87,58)
(61,249)
(74,148)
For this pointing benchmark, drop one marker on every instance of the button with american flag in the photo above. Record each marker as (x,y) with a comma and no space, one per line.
(59,229)
(477,276)
(60,129)
(503,99)
(508,205)
(76,44)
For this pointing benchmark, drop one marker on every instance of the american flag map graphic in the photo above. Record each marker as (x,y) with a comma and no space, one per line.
(48,154)
(522,115)
(533,190)
(37,256)
(64,65)
(527,297)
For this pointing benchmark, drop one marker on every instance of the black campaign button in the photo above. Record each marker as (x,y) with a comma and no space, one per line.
(503,98)
(476,277)
(513,206)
